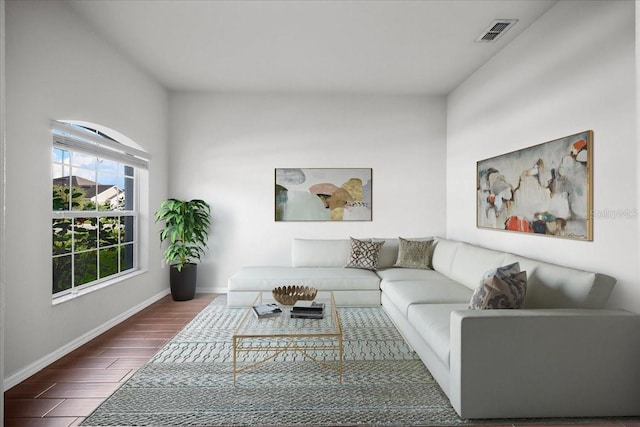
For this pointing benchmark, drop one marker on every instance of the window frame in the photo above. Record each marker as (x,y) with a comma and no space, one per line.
(79,138)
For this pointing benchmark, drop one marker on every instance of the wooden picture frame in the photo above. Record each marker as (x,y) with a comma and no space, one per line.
(546,189)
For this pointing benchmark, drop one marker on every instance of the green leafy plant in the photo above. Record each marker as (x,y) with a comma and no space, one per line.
(63,193)
(186,229)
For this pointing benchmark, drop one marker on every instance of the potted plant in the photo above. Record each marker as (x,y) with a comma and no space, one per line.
(187,230)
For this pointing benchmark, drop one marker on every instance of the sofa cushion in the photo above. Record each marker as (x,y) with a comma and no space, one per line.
(471,262)
(323,279)
(499,291)
(320,252)
(414,254)
(444,252)
(388,252)
(554,286)
(395,274)
(432,322)
(436,290)
(364,254)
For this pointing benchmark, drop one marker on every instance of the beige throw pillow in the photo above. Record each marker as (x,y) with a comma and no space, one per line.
(414,254)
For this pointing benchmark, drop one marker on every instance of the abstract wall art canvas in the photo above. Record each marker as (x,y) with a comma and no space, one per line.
(546,189)
(323,194)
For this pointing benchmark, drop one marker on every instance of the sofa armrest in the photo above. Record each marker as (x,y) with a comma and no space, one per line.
(545,363)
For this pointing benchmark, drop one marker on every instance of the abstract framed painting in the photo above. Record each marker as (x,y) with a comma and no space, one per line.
(546,189)
(323,194)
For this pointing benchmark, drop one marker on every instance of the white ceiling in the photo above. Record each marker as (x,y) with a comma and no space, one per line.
(352,46)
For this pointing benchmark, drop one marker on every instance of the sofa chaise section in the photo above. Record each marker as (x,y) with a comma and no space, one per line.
(314,262)
(351,286)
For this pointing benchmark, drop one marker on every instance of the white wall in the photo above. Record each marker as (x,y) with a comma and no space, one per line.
(58,68)
(2,191)
(637,55)
(570,71)
(226,147)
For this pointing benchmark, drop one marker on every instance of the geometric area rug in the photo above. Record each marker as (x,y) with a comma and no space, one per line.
(189,382)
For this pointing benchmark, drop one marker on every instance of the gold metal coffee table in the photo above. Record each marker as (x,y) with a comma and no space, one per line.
(267,338)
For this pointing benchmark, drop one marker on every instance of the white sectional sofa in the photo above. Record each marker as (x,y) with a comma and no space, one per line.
(562,355)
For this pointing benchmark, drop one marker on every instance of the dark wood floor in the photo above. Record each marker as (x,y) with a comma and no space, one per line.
(67,391)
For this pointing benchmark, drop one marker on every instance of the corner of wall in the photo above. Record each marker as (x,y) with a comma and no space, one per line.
(637,22)
(2,192)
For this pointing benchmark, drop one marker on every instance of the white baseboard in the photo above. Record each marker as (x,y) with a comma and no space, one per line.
(45,361)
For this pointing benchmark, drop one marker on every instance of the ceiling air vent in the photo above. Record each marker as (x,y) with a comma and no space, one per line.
(496,30)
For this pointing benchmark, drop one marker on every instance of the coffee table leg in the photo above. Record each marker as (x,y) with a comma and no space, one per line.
(235,352)
(340,366)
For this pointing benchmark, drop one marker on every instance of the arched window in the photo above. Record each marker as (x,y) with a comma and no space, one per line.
(95,206)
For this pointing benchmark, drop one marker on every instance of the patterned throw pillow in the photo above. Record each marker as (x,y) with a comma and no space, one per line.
(505,287)
(414,254)
(505,270)
(364,254)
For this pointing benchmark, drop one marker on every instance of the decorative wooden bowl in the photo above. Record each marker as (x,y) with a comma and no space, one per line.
(288,295)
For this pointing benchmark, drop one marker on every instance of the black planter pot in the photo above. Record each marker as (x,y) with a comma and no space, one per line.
(183,283)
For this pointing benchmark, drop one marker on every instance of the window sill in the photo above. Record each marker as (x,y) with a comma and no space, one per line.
(78,293)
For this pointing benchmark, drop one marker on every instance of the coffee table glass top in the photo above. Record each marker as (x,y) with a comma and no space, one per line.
(283,325)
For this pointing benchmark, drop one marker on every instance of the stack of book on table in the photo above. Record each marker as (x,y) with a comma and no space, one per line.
(307,310)
(262,311)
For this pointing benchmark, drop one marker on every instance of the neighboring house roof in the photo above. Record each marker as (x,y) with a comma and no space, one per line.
(98,193)
(76,181)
